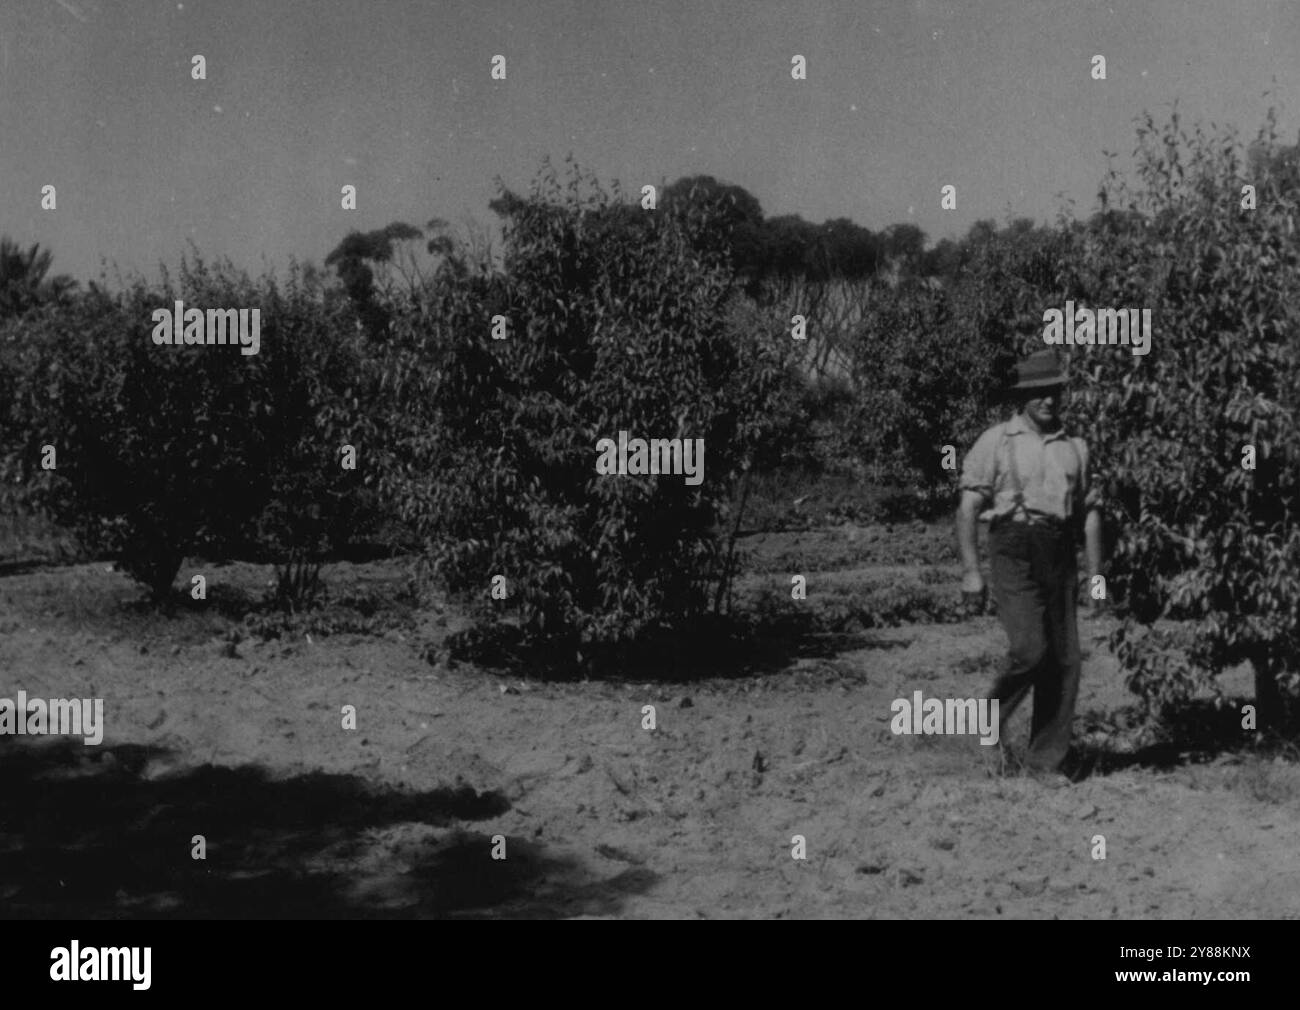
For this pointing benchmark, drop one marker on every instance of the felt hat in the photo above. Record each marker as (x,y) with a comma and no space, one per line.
(1041,370)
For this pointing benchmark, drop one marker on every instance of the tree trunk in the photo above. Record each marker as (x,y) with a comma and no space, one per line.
(724,583)
(1268,699)
(154,565)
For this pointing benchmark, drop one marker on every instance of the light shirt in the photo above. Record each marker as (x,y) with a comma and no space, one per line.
(1052,469)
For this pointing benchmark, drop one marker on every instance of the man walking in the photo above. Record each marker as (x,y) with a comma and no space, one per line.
(1030,480)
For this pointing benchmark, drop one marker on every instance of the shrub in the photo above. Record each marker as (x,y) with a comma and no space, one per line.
(929,359)
(165,451)
(1204,540)
(616,323)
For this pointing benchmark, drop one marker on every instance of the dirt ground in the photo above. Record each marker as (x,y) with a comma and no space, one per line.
(241,742)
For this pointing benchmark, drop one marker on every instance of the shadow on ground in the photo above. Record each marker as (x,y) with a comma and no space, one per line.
(92,833)
(1196,732)
(712,648)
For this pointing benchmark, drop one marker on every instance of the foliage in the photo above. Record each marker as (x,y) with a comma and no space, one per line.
(617,322)
(929,360)
(165,451)
(1204,539)
(25,283)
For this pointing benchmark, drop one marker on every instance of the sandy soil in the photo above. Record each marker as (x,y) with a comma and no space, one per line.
(241,742)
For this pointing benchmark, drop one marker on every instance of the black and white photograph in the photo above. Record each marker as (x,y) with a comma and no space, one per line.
(688,461)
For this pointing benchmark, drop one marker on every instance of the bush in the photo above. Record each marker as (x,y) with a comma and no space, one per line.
(1204,540)
(616,323)
(167,451)
(930,359)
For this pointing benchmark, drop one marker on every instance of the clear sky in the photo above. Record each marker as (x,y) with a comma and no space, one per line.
(395,96)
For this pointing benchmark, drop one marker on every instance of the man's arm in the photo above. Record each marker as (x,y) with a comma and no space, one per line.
(978,484)
(972,583)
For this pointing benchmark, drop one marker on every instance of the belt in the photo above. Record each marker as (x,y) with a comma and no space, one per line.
(1036,519)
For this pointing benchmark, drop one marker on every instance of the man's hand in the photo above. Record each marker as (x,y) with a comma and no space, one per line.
(973,593)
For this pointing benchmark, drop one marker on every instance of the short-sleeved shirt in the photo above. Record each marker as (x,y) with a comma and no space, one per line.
(1052,470)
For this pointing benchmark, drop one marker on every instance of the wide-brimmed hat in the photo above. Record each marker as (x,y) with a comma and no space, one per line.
(1040,370)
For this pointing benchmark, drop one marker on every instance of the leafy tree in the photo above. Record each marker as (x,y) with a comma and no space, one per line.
(618,321)
(943,260)
(735,217)
(727,206)
(981,232)
(24,279)
(905,242)
(1205,541)
(356,259)
(929,359)
(168,451)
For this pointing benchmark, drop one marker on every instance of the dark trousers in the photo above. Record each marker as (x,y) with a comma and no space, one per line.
(1034,585)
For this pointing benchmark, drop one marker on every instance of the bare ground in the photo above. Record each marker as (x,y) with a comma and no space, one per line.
(241,742)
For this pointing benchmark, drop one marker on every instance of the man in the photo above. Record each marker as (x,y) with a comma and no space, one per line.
(1031,481)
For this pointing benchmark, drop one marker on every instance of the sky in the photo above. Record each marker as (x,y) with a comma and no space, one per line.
(302,97)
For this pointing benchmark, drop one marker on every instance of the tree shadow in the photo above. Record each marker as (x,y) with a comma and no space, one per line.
(95,833)
(710,648)
(1194,732)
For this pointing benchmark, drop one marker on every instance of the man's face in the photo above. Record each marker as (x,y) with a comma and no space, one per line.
(1043,406)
